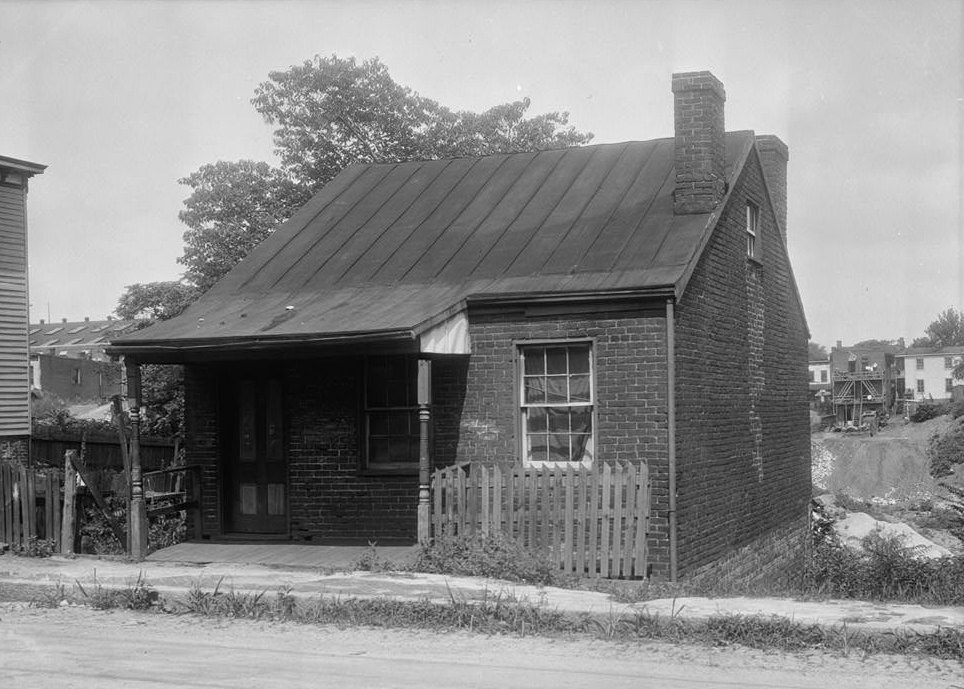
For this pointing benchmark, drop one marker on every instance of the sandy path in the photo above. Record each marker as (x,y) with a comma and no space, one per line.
(82,648)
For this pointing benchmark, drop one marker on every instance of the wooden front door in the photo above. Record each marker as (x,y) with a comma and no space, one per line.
(257,471)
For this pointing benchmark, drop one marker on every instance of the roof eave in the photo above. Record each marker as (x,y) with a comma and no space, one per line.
(172,350)
(625,294)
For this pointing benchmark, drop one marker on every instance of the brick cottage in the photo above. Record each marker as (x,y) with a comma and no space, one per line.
(620,302)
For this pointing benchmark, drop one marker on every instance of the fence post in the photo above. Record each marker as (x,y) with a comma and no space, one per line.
(70,487)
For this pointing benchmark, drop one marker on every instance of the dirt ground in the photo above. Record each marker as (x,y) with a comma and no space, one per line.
(891,471)
(86,649)
(889,466)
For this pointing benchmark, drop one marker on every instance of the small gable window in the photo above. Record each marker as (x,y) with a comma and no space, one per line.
(752,230)
(557,403)
(391,413)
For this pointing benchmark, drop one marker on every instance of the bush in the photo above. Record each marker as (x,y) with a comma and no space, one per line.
(957,409)
(946,450)
(888,570)
(928,411)
(495,556)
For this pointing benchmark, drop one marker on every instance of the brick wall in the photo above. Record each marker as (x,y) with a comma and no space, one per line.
(329,499)
(630,386)
(99,380)
(15,449)
(742,414)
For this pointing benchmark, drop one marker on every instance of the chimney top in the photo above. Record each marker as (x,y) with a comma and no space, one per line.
(86,319)
(700,148)
(63,320)
(698,81)
(42,321)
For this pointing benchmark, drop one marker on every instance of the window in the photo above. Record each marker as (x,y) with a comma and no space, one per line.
(823,376)
(813,375)
(76,377)
(752,227)
(948,362)
(920,364)
(920,386)
(391,413)
(948,385)
(557,402)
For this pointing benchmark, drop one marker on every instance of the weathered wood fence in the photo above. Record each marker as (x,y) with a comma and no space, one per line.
(31,505)
(588,521)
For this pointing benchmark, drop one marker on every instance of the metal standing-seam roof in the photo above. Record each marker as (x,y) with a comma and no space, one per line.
(387,250)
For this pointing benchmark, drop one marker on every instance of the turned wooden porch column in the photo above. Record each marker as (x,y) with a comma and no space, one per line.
(137,514)
(424,455)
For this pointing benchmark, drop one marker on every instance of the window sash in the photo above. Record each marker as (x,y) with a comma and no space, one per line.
(556,401)
(752,227)
(391,412)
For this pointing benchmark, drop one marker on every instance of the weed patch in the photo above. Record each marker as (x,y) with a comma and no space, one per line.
(494,556)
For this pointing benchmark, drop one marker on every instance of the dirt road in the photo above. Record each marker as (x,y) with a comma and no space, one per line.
(82,648)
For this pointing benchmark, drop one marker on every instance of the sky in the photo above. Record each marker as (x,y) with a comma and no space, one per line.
(122,99)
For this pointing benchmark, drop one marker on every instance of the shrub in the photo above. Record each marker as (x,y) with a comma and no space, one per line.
(946,450)
(957,409)
(36,547)
(928,411)
(484,556)
(885,569)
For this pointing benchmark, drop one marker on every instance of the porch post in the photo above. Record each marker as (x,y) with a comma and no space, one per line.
(137,514)
(424,459)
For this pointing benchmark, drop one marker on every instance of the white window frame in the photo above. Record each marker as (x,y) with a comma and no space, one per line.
(527,348)
(752,230)
(948,363)
(920,386)
(919,364)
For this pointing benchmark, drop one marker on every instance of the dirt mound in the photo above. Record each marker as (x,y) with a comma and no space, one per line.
(890,466)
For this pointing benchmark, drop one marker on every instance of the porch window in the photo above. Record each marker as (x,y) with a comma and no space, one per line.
(391,413)
(557,402)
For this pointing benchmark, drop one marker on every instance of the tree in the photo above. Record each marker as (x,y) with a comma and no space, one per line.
(155,300)
(162,384)
(816,352)
(328,113)
(232,208)
(947,330)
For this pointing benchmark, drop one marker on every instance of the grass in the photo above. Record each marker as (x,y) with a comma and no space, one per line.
(500,614)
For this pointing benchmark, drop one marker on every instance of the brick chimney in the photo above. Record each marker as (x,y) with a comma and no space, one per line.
(698,99)
(774,156)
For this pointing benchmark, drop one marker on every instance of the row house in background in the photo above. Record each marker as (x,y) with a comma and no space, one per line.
(67,359)
(820,387)
(14,307)
(864,379)
(929,374)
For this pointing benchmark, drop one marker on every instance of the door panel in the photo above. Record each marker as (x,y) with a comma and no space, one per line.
(255,461)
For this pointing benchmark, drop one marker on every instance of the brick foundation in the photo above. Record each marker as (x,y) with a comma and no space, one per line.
(777,557)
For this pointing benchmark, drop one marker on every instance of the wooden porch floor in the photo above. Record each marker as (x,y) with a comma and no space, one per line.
(280,554)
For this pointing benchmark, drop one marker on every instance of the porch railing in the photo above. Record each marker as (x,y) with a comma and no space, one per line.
(587,521)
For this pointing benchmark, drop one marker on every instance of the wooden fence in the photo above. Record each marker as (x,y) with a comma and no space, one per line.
(588,521)
(31,505)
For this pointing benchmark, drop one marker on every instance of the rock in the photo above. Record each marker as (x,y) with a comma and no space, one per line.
(855,526)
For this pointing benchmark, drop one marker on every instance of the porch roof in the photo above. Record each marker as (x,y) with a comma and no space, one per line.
(386,251)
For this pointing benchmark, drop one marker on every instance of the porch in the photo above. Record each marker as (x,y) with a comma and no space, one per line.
(324,557)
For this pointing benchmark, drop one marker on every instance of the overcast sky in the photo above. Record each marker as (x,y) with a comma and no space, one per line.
(121,99)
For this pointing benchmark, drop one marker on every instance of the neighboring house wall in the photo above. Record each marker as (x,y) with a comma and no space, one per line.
(14,313)
(14,355)
(76,380)
(742,440)
(928,380)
